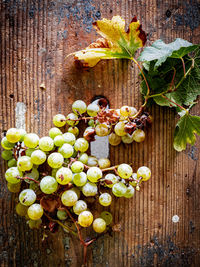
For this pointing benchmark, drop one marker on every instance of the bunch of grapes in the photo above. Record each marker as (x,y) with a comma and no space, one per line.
(55,178)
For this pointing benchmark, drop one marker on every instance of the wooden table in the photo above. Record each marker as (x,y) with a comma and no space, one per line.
(35,38)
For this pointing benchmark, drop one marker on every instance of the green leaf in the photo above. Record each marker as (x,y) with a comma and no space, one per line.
(185,131)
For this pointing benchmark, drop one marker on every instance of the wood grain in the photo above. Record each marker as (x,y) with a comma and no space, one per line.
(35,37)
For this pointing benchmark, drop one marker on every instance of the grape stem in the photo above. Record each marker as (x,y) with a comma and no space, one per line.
(27,178)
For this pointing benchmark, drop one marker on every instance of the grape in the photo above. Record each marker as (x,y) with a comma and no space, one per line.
(69,198)
(69,138)
(127,139)
(62,215)
(104,163)
(59,140)
(119,189)
(24,163)
(83,158)
(6,154)
(124,171)
(74,130)
(134,176)
(21,210)
(29,151)
(34,224)
(94,174)
(125,111)
(138,135)
(110,177)
(77,167)
(133,111)
(27,197)
(35,187)
(12,163)
(13,135)
(48,185)
(99,225)
(77,191)
(80,179)
(92,161)
(72,119)
(34,174)
(129,192)
(92,109)
(79,207)
(53,132)
(144,172)
(35,212)
(22,134)
(38,157)
(91,123)
(55,160)
(81,145)
(105,199)
(46,143)
(59,120)
(66,150)
(114,139)
(12,174)
(31,140)
(85,218)
(119,128)
(64,175)
(107,216)
(5,144)
(53,172)
(89,189)
(79,107)
(102,129)
(14,188)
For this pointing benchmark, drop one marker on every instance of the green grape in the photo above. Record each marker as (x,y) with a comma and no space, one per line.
(144,172)
(48,185)
(74,130)
(91,123)
(80,179)
(134,177)
(104,163)
(12,174)
(31,140)
(138,135)
(92,109)
(77,166)
(74,154)
(13,135)
(64,175)
(77,191)
(59,140)
(29,151)
(85,218)
(55,160)
(89,189)
(133,111)
(79,107)
(114,139)
(38,157)
(34,224)
(59,120)
(34,174)
(125,111)
(99,225)
(119,189)
(22,134)
(111,179)
(27,197)
(53,132)
(119,128)
(105,199)
(129,192)
(79,207)
(94,174)
(5,144)
(69,138)
(72,119)
(14,188)
(83,157)
(46,143)
(92,161)
(24,163)
(21,210)
(107,216)
(35,187)
(102,129)
(127,139)
(66,150)
(69,198)
(6,154)
(35,212)
(124,170)
(53,172)
(81,145)
(62,215)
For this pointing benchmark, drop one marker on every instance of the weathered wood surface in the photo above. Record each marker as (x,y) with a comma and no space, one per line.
(35,38)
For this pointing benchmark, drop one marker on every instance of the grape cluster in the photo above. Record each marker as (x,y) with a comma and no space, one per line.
(55,177)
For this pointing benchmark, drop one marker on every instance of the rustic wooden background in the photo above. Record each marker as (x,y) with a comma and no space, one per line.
(35,37)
